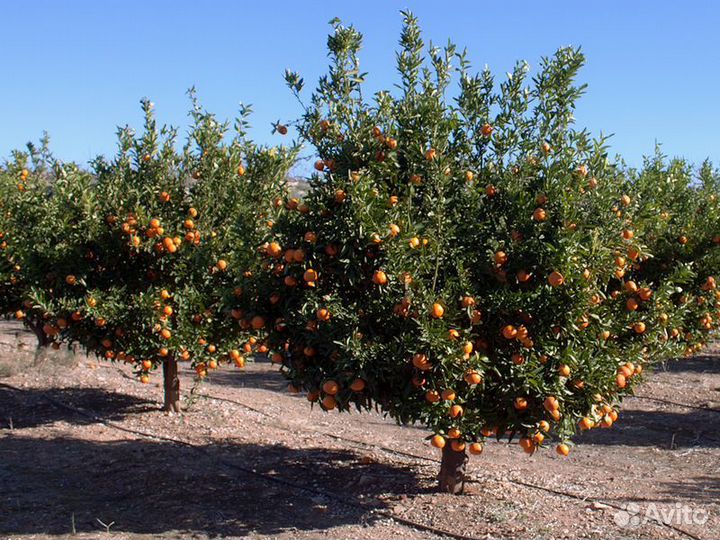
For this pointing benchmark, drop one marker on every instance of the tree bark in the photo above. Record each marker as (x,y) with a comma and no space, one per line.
(42,339)
(171,385)
(452,471)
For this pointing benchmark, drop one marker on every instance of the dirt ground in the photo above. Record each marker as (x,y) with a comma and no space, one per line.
(86,453)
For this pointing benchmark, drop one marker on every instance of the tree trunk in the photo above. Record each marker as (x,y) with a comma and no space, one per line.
(42,339)
(171,385)
(452,471)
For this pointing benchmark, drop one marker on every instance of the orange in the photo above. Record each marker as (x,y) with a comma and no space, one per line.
(438,441)
(257,322)
(455,411)
(562,449)
(437,311)
(431,396)
(472,377)
(457,446)
(379,277)
(509,332)
(556,279)
(329,403)
(551,403)
(476,448)
(323,314)
(358,385)
(448,394)
(331,387)
(430,154)
(539,215)
(500,258)
(310,275)
(520,403)
(421,362)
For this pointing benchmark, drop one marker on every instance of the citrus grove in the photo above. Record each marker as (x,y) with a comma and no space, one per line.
(478,264)
(134,260)
(466,257)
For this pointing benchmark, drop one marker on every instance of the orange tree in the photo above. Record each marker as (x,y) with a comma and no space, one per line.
(679,213)
(464,264)
(133,265)
(42,205)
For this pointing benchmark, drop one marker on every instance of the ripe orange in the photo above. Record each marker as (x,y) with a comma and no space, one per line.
(517,359)
(437,311)
(323,314)
(430,154)
(358,385)
(527,445)
(564,370)
(380,278)
(431,395)
(331,387)
(476,448)
(509,332)
(472,377)
(455,411)
(486,130)
(438,441)
(556,279)
(539,215)
(639,327)
(310,275)
(562,449)
(520,403)
(551,403)
(457,446)
(257,322)
(500,258)
(329,403)
(448,394)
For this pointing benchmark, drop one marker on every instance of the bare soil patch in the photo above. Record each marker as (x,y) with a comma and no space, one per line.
(81,442)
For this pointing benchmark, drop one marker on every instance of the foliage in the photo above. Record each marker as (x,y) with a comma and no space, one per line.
(133,260)
(476,263)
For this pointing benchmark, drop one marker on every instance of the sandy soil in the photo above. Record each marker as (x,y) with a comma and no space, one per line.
(83,444)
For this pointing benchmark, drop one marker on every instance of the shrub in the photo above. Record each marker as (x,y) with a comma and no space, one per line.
(466,259)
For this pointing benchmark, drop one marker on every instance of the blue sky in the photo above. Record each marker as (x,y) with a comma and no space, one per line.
(78,68)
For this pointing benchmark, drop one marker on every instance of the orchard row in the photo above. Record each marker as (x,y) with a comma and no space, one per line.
(474,263)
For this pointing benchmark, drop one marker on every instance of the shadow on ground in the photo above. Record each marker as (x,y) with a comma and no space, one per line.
(260,374)
(668,430)
(703,363)
(20,408)
(155,487)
